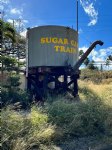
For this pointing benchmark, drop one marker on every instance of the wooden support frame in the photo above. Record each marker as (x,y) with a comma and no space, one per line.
(38,81)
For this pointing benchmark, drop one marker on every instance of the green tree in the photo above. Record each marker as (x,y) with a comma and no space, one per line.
(7,37)
(86,61)
(7,32)
(8,63)
(107,62)
(81,52)
(110,57)
(91,66)
(12,47)
(11,92)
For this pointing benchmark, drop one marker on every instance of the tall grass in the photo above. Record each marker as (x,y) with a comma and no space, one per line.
(81,119)
(90,90)
(23,132)
(61,121)
(96,76)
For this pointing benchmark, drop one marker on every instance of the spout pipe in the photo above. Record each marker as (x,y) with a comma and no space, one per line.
(84,56)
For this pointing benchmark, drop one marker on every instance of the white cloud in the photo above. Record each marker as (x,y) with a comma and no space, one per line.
(80,31)
(4,1)
(10,20)
(1,7)
(102,54)
(23,33)
(92,22)
(98,55)
(16,11)
(84,48)
(88,6)
(25,21)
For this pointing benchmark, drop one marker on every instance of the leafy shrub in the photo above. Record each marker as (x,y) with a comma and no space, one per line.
(11,93)
(12,96)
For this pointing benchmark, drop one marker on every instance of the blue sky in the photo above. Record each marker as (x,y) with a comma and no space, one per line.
(95,19)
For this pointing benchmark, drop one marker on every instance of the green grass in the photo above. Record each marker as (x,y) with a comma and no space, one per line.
(62,124)
(22,132)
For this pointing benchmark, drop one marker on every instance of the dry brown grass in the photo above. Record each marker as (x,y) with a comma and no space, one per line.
(103,90)
(61,121)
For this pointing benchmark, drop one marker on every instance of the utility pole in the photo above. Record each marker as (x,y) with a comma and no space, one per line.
(77,15)
(1,39)
(1,33)
(2,15)
(17,24)
(13,24)
(1,29)
(19,30)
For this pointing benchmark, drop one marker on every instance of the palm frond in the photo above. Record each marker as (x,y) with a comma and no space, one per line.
(10,36)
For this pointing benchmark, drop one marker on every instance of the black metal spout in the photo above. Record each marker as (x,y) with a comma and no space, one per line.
(84,56)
